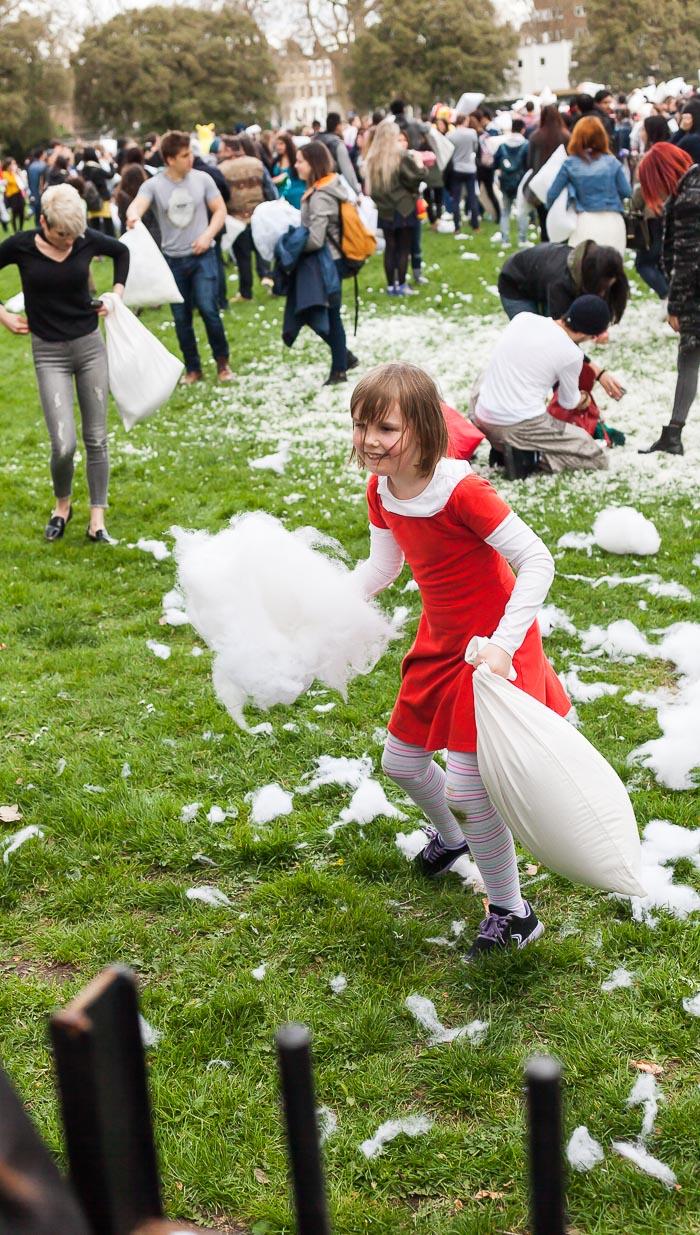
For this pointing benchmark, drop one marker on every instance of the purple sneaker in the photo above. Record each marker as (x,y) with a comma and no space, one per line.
(505,930)
(437,858)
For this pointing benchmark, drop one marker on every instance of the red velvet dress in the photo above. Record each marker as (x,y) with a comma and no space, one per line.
(464,586)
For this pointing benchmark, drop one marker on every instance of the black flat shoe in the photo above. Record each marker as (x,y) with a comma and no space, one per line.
(101,536)
(56,525)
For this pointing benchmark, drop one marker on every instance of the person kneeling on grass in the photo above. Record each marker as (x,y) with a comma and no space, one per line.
(460,540)
(532,355)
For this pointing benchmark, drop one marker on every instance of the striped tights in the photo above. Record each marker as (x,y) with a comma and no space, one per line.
(457,804)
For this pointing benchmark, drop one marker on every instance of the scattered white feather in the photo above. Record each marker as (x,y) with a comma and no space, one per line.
(275,462)
(653,584)
(674,758)
(327,1123)
(161,650)
(412,1125)
(692,1006)
(619,639)
(157,547)
(12,843)
(576,540)
(219,1063)
(324,707)
(173,599)
(411,586)
(208,894)
(551,618)
(150,1036)
(618,978)
(276,611)
(259,973)
(338,984)
(423,1010)
(646,1162)
(94,788)
(61,767)
(264,727)
(368,802)
(582,1151)
(622,529)
(269,803)
(585,692)
(216,815)
(411,844)
(126,771)
(662,844)
(646,1093)
(197,651)
(188,813)
(342,771)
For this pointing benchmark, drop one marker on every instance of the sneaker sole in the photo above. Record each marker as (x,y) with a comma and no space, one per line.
(534,935)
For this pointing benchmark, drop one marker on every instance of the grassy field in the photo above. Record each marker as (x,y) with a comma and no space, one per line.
(81,696)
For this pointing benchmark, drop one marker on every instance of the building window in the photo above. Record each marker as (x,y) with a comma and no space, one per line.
(542,61)
(520,64)
(579,11)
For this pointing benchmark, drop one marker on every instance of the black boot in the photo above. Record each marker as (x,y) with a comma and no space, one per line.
(335,377)
(670,441)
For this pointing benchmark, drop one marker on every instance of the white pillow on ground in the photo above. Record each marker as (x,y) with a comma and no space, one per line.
(558,795)
(622,529)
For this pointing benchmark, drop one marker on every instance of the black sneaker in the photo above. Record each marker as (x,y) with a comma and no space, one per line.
(505,930)
(519,464)
(437,859)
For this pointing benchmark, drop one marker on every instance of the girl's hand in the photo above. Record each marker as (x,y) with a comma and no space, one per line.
(497,660)
(14,322)
(674,323)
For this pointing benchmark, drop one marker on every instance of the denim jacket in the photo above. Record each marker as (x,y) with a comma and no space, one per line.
(598,185)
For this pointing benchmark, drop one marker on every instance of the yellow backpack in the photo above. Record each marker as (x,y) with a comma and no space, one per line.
(356,241)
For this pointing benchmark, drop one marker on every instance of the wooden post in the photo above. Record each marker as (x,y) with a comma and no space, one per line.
(104,1099)
(34,1200)
(294,1054)
(543,1076)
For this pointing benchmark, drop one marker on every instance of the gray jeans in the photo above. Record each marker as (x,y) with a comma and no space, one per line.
(57,364)
(564,447)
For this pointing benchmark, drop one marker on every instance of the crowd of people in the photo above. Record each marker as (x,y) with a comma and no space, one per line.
(626,179)
(423,505)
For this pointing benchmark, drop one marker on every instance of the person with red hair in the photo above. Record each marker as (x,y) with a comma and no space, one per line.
(670,184)
(597,186)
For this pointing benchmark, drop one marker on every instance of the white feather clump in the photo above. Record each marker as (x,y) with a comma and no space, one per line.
(622,529)
(276,612)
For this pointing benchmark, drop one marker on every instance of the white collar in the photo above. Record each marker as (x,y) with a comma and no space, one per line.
(435,496)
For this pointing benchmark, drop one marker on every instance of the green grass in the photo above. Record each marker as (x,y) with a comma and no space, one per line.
(108,881)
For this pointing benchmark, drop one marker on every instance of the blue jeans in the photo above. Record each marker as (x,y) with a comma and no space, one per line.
(513,307)
(197,279)
(336,331)
(646,263)
(460,181)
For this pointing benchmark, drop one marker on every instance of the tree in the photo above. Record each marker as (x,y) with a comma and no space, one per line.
(626,43)
(159,68)
(425,50)
(31,80)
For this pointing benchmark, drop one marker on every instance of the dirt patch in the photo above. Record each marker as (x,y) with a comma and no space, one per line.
(42,971)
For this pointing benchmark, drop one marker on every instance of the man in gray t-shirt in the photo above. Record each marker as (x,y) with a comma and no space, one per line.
(463,172)
(190,212)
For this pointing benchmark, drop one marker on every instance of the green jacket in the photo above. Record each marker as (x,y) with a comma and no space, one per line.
(401,194)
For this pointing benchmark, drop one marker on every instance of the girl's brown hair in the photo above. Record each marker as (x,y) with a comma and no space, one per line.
(411,390)
(319,159)
(589,139)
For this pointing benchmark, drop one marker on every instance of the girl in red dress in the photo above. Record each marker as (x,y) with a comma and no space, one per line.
(460,540)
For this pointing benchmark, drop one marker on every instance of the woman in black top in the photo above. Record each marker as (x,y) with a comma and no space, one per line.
(61,316)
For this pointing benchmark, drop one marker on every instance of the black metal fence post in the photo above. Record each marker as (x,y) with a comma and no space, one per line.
(294,1055)
(543,1075)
